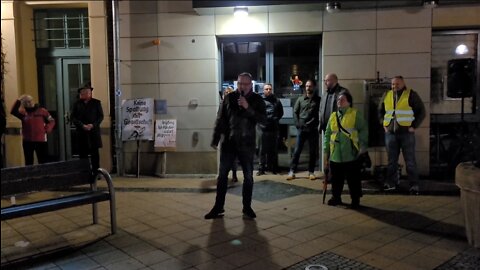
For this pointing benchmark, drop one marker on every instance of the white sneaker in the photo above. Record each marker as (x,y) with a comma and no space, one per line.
(312,176)
(290,176)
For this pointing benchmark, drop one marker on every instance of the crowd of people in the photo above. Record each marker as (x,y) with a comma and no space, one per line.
(331,115)
(243,114)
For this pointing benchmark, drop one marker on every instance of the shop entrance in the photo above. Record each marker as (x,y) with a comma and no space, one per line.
(281,61)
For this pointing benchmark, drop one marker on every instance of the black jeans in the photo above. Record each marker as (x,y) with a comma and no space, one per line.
(228,155)
(94,156)
(40,148)
(351,172)
(268,153)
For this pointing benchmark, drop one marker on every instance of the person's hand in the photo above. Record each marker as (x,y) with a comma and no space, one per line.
(242,102)
(411,129)
(386,129)
(214,146)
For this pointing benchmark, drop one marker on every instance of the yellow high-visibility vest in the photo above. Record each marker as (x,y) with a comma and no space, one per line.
(402,113)
(348,123)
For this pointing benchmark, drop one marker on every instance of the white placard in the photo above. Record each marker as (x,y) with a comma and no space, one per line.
(137,119)
(166,133)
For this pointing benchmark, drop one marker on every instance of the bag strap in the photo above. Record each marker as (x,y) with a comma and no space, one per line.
(344,130)
(341,127)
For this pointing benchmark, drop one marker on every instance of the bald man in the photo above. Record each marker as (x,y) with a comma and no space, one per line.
(328,102)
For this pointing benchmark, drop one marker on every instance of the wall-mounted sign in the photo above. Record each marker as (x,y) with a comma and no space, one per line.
(137,119)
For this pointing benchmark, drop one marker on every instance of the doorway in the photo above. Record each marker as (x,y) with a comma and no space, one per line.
(63,65)
(59,80)
(275,60)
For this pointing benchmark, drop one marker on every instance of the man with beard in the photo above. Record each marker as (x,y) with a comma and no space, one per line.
(268,132)
(36,123)
(328,103)
(305,114)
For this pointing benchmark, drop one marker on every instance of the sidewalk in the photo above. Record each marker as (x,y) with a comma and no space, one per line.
(161,226)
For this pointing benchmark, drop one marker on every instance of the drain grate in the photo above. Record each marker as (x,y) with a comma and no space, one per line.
(331,261)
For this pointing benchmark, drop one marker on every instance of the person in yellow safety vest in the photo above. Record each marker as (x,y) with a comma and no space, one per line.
(347,132)
(401,111)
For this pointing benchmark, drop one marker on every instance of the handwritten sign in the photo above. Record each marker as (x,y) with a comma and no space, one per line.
(137,119)
(166,133)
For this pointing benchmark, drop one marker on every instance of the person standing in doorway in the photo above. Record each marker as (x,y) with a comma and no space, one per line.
(36,123)
(346,138)
(237,117)
(305,115)
(87,114)
(269,132)
(401,112)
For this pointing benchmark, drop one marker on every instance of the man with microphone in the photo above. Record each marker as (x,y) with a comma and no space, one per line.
(237,117)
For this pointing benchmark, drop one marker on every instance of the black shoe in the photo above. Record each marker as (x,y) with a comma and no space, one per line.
(260,173)
(248,212)
(334,202)
(355,204)
(387,187)
(414,190)
(214,213)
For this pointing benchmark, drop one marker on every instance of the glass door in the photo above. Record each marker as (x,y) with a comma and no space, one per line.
(76,72)
(59,80)
(281,61)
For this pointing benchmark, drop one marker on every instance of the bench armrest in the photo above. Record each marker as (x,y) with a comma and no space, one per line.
(105,175)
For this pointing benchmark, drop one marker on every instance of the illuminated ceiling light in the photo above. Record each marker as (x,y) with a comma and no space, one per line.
(333,7)
(461,49)
(430,4)
(240,11)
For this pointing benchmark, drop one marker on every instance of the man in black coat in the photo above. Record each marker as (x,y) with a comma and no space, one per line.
(87,114)
(237,117)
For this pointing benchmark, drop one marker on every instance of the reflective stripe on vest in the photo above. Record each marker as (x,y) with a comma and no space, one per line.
(403,113)
(348,123)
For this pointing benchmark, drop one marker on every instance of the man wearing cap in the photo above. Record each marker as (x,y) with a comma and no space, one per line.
(87,114)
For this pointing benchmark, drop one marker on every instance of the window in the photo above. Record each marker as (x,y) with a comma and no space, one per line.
(61,29)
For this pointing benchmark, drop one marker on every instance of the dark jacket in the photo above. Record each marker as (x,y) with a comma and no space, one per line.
(328,104)
(418,111)
(84,114)
(237,124)
(274,111)
(305,113)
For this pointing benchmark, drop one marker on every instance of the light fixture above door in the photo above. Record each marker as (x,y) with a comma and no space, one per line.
(240,11)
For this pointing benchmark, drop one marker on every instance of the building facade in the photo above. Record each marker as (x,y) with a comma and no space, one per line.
(171,51)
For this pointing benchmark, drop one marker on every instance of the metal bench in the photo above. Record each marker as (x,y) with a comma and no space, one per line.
(56,176)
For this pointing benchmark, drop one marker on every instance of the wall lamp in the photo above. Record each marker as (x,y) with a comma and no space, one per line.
(240,11)
(333,7)
(430,3)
